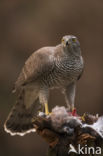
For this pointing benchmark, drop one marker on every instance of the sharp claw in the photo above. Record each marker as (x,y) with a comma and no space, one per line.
(83,117)
(48,113)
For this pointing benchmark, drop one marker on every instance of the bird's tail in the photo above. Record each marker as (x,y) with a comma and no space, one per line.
(19,121)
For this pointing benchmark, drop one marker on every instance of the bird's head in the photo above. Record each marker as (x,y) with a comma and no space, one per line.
(71,44)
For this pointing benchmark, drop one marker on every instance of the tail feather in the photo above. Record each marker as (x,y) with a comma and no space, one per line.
(19,121)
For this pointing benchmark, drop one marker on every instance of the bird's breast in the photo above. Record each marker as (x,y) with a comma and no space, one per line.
(63,72)
(70,68)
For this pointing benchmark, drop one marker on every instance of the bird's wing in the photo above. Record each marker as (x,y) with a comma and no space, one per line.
(20,119)
(39,62)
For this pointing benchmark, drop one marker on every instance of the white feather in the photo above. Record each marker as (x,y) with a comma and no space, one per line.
(97,126)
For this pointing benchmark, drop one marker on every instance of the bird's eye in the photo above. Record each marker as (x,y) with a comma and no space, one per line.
(74,39)
(62,40)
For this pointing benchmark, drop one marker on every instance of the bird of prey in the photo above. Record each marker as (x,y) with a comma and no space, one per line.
(47,68)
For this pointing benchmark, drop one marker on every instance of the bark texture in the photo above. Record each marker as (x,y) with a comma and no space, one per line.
(60,133)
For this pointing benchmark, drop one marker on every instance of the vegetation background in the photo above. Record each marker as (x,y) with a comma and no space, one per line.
(26,25)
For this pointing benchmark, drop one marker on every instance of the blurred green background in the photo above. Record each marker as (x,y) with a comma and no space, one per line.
(25,26)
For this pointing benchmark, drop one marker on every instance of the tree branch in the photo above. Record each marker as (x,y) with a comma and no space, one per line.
(64,132)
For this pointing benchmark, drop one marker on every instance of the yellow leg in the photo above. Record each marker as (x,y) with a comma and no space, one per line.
(46,109)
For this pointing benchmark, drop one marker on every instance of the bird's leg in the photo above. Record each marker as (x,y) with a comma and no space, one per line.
(70,97)
(46,109)
(43,97)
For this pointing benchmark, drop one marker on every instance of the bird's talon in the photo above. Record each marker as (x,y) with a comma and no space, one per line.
(48,113)
(83,117)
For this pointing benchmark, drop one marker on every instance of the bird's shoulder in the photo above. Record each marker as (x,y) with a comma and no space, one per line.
(37,62)
(46,53)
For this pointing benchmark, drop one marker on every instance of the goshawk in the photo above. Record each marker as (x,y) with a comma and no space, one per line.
(47,68)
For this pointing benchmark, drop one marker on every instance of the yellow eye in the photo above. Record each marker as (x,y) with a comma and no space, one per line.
(74,39)
(62,40)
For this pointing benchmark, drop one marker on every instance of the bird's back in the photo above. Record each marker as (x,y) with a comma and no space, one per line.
(35,65)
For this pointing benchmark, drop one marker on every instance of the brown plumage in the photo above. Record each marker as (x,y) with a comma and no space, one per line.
(47,68)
